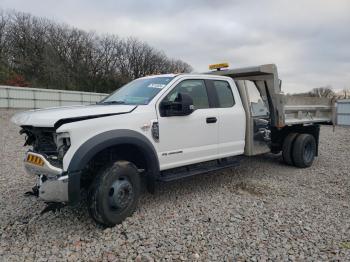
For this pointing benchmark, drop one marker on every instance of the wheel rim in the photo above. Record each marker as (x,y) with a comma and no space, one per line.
(308,152)
(120,194)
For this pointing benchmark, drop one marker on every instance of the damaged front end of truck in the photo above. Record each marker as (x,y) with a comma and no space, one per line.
(44,161)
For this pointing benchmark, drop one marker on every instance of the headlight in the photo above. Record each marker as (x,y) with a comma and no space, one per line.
(62,143)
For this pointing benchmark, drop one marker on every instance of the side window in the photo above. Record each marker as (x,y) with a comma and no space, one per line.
(224,93)
(257,104)
(195,89)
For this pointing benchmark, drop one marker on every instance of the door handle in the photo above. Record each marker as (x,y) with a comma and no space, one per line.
(211,120)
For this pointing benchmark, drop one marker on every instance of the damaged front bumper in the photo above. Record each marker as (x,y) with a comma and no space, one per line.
(52,181)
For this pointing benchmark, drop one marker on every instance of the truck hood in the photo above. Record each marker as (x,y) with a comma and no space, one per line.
(57,116)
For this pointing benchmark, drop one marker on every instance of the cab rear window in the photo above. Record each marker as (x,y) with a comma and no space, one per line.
(224,93)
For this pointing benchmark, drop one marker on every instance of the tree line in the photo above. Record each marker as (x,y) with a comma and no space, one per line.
(41,53)
(326,92)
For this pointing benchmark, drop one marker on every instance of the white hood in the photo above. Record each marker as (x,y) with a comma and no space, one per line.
(49,116)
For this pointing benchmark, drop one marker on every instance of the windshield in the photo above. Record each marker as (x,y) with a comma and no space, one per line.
(138,92)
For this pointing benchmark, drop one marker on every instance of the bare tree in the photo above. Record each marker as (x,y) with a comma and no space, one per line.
(4,67)
(323,92)
(45,54)
(345,94)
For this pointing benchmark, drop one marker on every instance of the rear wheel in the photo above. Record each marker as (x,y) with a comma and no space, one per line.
(304,150)
(287,148)
(114,193)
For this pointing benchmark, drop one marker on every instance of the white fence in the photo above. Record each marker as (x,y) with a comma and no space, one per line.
(24,97)
(343,112)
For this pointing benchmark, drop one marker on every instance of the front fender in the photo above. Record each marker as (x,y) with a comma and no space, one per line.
(100,142)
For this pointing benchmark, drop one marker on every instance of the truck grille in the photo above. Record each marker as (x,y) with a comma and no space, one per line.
(41,139)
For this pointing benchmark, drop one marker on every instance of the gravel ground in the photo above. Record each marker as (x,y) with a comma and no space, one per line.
(262,210)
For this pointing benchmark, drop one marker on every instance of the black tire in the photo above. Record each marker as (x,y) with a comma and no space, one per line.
(287,148)
(304,150)
(114,193)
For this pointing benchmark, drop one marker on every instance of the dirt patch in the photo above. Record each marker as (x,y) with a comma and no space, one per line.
(251,188)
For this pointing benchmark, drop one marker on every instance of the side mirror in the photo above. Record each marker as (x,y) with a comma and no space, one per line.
(182,106)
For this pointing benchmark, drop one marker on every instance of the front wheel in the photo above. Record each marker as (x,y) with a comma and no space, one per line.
(114,193)
(304,150)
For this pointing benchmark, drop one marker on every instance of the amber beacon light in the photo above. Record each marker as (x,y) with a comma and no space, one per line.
(218,66)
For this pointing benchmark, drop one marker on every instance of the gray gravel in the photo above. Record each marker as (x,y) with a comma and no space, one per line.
(262,210)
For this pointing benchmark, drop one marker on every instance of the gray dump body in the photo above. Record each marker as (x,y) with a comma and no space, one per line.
(303,110)
(282,110)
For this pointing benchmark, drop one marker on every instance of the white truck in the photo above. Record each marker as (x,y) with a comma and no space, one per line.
(162,128)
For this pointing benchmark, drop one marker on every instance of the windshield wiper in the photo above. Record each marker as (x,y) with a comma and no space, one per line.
(112,102)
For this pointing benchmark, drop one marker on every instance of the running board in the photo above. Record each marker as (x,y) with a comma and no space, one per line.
(197,169)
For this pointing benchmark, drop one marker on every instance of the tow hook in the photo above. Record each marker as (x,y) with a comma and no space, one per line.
(34,192)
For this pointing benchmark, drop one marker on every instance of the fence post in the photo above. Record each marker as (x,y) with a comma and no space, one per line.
(34,98)
(8,97)
(60,98)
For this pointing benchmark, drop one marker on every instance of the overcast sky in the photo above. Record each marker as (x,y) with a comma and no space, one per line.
(309,40)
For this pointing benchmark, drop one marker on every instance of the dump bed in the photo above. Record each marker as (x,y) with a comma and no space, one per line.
(304,110)
(268,109)
(284,109)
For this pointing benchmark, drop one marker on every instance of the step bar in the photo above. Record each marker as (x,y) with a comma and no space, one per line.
(197,169)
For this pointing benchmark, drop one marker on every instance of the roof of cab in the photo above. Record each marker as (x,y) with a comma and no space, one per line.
(185,74)
(159,75)
(237,72)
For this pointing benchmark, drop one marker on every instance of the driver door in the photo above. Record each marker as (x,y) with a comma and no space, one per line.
(185,140)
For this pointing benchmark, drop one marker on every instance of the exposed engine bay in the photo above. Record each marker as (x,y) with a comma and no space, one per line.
(45,141)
